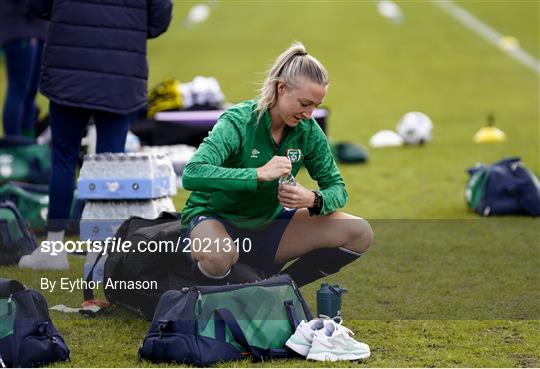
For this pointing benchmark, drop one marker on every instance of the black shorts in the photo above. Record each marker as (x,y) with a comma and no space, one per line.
(257,248)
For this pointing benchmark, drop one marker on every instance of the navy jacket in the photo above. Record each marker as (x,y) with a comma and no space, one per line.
(95,52)
(16,22)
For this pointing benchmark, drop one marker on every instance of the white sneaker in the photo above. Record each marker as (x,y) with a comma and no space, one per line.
(335,343)
(302,338)
(41,260)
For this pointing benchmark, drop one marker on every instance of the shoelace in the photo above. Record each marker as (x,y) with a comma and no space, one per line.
(339,326)
(346,330)
(326,317)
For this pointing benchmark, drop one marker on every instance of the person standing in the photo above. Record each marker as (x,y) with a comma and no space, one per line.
(94,65)
(21,38)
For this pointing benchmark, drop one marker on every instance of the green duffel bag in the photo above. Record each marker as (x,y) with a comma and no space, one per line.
(203,325)
(32,200)
(16,240)
(21,159)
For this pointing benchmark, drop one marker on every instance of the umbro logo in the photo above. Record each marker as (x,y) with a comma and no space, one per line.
(255,153)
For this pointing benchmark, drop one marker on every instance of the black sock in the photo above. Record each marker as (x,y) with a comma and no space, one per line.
(319,263)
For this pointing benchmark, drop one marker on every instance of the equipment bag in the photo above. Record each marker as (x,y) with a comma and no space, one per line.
(170,268)
(32,200)
(503,188)
(27,335)
(206,324)
(16,239)
(133,265)
(21,159)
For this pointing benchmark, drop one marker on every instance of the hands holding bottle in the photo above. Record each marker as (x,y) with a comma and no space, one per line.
(290,194)
(276,167)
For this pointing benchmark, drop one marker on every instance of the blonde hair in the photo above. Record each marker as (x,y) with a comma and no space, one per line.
(292,64)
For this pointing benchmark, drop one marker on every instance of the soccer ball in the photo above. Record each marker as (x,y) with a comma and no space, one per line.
(415,128)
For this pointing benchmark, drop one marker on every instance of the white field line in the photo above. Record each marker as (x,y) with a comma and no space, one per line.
(488,33)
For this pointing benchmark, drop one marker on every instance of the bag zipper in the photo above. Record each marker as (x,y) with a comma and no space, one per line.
(9,306)
(300,298)
(228,288)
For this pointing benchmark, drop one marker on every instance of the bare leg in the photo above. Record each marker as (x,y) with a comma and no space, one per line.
(213,255)
(305,234)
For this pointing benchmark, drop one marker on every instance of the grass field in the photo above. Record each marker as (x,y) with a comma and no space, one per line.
(440,287)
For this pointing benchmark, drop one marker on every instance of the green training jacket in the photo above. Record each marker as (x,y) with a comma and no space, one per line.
(222,173)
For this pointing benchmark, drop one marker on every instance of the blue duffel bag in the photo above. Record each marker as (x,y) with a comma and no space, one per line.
(28,337)
(206,324)
(503,188)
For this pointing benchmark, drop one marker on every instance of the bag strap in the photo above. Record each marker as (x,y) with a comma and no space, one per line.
(225,318)
(88,293)
(159,346)
(2,364)
(7,204)
(21,223)
(10,286)
(44,330)
(291,313)
(4,233)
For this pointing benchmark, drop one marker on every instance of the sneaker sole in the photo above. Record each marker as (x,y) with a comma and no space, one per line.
(330,356)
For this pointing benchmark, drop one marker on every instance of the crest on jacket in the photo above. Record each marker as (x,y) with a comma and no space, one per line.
(294,155)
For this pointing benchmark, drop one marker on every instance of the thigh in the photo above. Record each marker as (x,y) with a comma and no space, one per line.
(258,248)
(111,131)
(306,233)
(209,236)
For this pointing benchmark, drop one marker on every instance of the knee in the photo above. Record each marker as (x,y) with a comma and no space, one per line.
(217,263)
(360,236)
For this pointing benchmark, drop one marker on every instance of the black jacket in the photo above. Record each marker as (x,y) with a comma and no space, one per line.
(95,52)
(16,22)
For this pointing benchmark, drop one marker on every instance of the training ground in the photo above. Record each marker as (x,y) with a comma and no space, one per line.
(441,286)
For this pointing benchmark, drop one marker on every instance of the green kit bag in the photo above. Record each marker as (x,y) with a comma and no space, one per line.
(207,324)
(21,159)
(16,240)
(32,200)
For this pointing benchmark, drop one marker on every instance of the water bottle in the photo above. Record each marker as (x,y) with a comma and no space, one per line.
(97,170)
(108,168)
(87,169)
(329,300)
(287,180)
(146,166)
(132,165)
(120,161)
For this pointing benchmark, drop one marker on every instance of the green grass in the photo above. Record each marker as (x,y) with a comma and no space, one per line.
(440,287)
